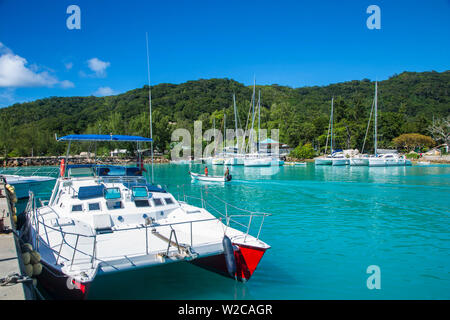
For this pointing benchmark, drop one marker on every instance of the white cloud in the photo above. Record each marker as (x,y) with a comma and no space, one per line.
(67,84)
(14,72)
(98,66)
(68,65)
(104,91)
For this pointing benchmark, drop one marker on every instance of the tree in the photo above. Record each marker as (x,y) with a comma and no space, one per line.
(303,152)
(440,130)
(412,141)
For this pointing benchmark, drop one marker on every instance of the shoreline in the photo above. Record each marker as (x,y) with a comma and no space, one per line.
(56,160)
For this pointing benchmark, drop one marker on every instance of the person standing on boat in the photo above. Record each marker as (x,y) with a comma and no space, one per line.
(227,172)
(206,170)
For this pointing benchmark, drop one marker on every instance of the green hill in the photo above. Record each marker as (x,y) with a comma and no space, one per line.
(407,103)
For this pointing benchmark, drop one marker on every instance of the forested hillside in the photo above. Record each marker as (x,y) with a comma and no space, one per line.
(407,104)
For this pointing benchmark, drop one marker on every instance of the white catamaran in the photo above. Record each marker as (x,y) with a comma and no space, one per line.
(388,159)
(102,219)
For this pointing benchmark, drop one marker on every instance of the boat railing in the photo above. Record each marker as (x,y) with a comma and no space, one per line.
(32,171)
(227,214)
(38,222)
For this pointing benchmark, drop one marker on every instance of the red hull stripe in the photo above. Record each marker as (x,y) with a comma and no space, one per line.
(247,259)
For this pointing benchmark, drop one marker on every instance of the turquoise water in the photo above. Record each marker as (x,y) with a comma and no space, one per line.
(328,225)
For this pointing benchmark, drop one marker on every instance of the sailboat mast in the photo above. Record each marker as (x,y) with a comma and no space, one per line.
(235,121)
(331,119)
(149,100)
(250,142)
(214,133)
(224,129)
(259,117)
(376,107)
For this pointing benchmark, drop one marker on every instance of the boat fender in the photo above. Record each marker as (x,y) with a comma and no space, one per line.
(27,247)
(37,269)
(26,258)
(29,270)
(35,257)
(229,256)
(62,168)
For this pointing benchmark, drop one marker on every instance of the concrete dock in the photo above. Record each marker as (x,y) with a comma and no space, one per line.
(10,255)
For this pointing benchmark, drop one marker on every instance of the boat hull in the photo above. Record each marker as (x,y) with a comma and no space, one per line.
(210,178)
(234,162)
(217,162)
(323,162)
(359,162)
(340,162)
(247,259)
(60,286)
(258,163)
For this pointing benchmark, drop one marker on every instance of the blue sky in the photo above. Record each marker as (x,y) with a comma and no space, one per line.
(295,43)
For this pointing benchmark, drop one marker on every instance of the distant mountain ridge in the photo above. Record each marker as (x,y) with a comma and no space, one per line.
(407,103)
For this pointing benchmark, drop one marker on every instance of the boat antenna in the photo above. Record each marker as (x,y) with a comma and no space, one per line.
(368,125)
(236,124)
(332,116)
(149,100)
(375,118)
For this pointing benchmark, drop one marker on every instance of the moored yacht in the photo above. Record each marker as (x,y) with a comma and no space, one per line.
(389,160)
(339,159)
(103,219)
(23,184)
(359,160)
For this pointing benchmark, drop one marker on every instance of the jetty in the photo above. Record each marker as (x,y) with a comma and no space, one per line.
(11,264)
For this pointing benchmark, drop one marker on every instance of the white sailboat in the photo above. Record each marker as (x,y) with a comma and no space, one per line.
(235,159)
(257,159)
(388,159)
(327,160)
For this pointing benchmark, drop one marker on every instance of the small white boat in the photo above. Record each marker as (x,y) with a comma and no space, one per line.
(423,163)
(202,177)
(24,184)
(323,161)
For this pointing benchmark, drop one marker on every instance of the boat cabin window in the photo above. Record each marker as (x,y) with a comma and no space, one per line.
(142,203)
(90,192)
(158,202)
(140,192)
(77,207)
(81,172)
(111,205)
(94,206)
(112,193)
(168,200)
(133,171)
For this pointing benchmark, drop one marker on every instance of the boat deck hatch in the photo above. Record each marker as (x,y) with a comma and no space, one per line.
(140,192)
(90,192)
(112,193)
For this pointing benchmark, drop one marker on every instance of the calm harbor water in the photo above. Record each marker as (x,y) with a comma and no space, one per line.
(328,225)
